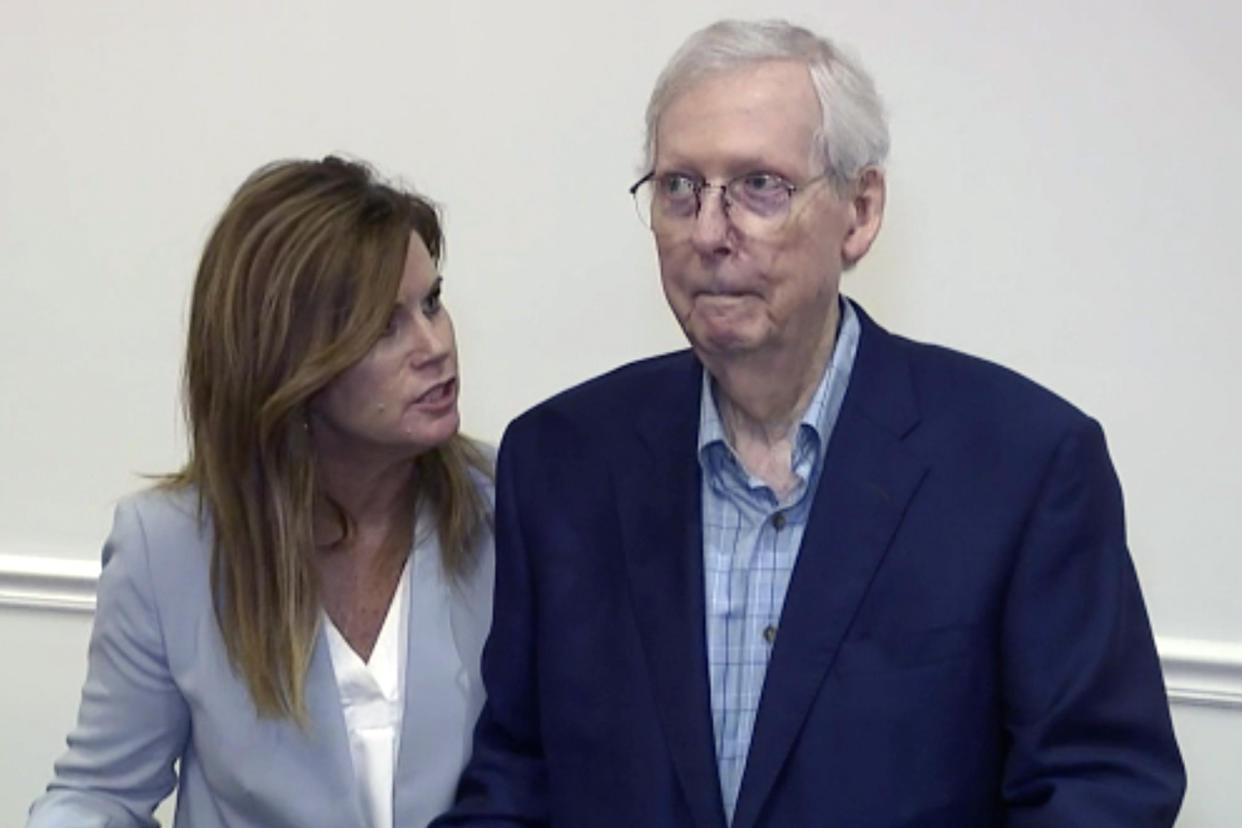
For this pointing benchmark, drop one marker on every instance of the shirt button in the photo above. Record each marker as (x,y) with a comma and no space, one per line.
(778,520)
(769,633)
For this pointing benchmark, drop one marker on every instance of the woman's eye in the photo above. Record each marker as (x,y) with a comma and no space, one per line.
(394,321)
(431,304)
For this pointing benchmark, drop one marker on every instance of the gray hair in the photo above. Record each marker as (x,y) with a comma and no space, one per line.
(854,132)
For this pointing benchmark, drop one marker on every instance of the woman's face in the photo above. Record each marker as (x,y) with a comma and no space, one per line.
(401,397)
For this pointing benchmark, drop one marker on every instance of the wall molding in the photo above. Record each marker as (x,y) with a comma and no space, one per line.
(1201,672)
(1196,671)
(45,582)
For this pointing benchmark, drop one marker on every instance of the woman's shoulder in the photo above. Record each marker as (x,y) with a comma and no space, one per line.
(166,506)
(483,472)
(165,530)
(161,514)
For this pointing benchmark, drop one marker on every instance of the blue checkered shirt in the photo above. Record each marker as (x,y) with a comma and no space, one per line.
(750,544)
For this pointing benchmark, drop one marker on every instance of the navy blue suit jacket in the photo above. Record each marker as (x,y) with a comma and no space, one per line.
(963,642)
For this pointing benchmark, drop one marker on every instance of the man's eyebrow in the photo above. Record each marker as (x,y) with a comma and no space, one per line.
(742,165)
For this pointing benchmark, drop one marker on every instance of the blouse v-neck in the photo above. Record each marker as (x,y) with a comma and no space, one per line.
(372,696)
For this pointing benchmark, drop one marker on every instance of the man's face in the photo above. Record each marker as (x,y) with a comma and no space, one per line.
(735,291)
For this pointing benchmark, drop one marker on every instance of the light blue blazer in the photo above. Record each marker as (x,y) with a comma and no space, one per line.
(160,689)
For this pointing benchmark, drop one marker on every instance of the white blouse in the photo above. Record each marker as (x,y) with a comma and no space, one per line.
(374,693)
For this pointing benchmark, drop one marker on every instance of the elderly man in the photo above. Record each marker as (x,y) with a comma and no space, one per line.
(807,573)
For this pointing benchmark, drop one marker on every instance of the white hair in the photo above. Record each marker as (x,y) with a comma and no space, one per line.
(853,134)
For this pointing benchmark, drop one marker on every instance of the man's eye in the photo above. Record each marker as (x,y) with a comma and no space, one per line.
(763,183)
(676,185)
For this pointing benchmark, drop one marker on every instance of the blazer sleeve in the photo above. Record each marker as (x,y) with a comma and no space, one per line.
(132,722)
(1091,741)
(505,782)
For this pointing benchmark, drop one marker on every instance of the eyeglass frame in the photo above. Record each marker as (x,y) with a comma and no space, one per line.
(702,185)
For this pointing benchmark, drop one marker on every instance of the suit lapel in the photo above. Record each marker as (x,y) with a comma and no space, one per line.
(867,480)
(331,739)
(658,498)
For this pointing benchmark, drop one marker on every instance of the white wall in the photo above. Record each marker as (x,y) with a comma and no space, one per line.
(1064,198)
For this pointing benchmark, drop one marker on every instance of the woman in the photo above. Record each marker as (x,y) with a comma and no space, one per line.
(297,615)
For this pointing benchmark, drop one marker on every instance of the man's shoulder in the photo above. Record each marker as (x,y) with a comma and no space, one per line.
(944,374)
(969,392)
(619,396)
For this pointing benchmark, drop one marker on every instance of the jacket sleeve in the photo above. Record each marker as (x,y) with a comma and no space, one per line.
(132,722)
(1087,718)
(505,782)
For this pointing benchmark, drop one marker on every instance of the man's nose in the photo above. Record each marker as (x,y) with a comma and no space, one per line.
(711,230)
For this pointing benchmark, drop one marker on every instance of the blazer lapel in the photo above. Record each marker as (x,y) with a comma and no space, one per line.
(326,731)
(658,498)
(866,482)
(443,692)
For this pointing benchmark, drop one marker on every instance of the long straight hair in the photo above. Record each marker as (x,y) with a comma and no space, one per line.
(295,285)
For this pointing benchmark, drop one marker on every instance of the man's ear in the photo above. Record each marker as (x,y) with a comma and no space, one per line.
(867,212)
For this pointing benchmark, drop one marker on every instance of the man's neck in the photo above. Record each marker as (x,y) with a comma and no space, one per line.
(762,396)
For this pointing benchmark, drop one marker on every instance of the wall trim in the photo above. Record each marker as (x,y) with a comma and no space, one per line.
(1202,672)
(1196,671)
(52,583)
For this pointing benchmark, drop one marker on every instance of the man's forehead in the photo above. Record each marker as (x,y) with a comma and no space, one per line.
(759,109)
(748,84)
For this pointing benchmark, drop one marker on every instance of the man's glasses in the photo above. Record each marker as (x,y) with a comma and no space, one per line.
(757,203)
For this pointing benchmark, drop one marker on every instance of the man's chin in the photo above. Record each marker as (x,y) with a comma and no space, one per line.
(723,342)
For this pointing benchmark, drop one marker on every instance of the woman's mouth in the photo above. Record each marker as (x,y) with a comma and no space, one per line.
(438,395)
